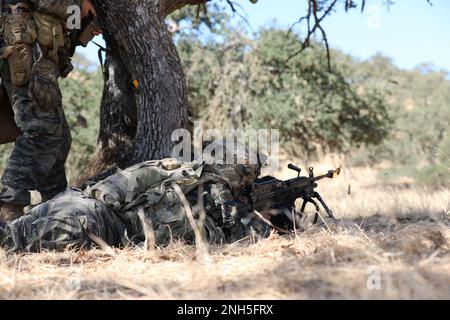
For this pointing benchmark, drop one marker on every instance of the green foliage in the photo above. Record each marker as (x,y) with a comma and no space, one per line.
(242,82)
(438,172)
(371,110)
(313,106)
(433,175)
(194,18)
(419,101)
(5,151)
(81,97)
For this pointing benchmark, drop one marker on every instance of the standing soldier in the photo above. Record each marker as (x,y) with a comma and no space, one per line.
(34,53)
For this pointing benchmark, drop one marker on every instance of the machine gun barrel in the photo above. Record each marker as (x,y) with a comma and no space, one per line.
(277,194)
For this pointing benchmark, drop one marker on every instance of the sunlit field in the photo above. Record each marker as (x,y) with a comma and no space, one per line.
(391,242)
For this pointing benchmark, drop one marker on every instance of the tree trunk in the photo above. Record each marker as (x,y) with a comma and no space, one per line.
(144,97)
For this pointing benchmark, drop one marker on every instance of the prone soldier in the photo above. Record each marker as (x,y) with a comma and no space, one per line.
(225,202)
(121,208)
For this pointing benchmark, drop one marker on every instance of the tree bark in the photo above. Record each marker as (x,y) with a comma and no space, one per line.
(137,120)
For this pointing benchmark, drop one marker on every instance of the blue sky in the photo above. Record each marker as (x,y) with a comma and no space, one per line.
(411,31)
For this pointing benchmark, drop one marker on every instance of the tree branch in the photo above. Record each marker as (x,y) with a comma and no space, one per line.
(170,6)
(313,15)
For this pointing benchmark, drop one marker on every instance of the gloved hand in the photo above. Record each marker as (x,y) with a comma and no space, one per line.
(44,86)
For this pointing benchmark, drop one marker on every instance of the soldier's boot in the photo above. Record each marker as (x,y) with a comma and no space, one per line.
(10,212)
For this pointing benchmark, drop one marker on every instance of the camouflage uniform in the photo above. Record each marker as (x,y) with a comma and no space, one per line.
(66,220)
(121,208)
(32,62)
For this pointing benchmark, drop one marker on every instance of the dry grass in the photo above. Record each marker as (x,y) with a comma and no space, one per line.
(401,232)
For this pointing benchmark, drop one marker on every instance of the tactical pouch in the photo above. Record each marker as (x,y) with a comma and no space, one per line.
(50,31)
(20,61)
(44,86)
(51,35)
(19,29)
(19,33)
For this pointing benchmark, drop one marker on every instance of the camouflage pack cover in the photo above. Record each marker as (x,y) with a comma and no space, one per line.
(144,182)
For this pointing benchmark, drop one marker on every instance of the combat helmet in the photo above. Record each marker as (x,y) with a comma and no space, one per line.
(237,162)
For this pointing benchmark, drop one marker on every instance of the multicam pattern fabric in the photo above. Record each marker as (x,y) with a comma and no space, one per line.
(76,218)
(38,159)
(70,219)
(56,7)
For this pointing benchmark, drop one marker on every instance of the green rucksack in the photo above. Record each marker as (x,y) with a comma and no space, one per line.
(144,182)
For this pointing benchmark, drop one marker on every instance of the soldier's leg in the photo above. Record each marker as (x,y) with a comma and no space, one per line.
(56,180)
(69,220)
(37,147)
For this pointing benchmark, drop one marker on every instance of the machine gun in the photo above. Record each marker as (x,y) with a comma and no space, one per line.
(276,195)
